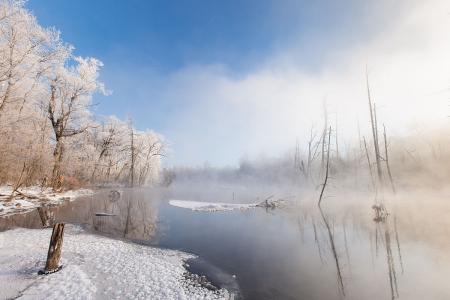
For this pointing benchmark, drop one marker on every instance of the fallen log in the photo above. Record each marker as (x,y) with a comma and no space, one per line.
(100,214)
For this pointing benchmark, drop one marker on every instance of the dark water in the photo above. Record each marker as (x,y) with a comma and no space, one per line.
(294,253)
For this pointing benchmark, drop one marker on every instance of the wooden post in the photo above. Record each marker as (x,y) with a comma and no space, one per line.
(54,249)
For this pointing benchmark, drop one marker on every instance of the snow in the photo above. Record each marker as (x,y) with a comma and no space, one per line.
(34,196)
(94,267)
(211,206)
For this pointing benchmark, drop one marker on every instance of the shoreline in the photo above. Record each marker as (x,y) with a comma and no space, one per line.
(96,267)
(30,198)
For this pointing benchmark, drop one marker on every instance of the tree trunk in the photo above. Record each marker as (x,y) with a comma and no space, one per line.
(54,249)
(373,123)
(57,157)
(387,159)
(132,159)
(369,164)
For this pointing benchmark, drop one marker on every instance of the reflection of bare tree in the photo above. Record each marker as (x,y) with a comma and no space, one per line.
(316,239)
(391,264)
(130,216)
(334,252)
(398,244)
(382,224)
(347,252)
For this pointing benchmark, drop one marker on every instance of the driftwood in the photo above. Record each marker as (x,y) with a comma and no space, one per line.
(54,250)
(100,214)
(271,204)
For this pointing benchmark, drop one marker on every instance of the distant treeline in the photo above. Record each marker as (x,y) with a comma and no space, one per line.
(419,160)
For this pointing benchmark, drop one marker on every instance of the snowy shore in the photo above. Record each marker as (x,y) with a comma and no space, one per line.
(31,197)
(94,267)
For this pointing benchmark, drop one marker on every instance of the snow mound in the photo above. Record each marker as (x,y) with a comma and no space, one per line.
(94,267)
(210,206)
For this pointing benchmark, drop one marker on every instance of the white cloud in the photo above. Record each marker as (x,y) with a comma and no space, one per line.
(221,117)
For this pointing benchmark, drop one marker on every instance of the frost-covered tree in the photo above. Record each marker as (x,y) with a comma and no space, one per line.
(27,50)
(47,128)
(70,94)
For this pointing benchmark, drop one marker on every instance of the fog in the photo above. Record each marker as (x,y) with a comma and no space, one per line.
(222,116)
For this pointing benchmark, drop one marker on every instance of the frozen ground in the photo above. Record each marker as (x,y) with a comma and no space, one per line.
(95,267)
(31,197)
(210,206)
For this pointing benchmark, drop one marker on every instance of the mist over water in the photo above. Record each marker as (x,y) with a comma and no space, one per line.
(338,251)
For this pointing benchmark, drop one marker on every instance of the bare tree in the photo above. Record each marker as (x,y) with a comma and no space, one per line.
(368,163)
(324,133)
(373,121)
(386,158)
(107,141)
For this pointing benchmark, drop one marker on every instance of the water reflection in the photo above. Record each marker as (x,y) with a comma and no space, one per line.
(382,225)
(127,214)
(334,252)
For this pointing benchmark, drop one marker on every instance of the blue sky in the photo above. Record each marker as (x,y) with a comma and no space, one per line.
(156,51)
(166,35)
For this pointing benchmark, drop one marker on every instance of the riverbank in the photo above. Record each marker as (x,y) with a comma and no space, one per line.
(94,267)
(29,198)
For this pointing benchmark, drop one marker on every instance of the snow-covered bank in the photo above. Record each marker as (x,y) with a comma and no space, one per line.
(210,206)
(95,267)
(31,197)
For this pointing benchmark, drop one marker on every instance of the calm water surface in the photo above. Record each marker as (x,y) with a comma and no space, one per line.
(294,253)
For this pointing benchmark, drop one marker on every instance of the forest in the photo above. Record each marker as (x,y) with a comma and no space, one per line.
(49,132)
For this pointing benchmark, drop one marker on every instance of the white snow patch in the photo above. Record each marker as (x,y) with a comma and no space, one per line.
(95,267)
(34,196)
(210,206)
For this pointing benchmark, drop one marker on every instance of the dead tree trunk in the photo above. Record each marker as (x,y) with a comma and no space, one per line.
(54,249)
(369,164)
(372,111)
(386,156)
(327,168)
(324,135)
(337,139)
